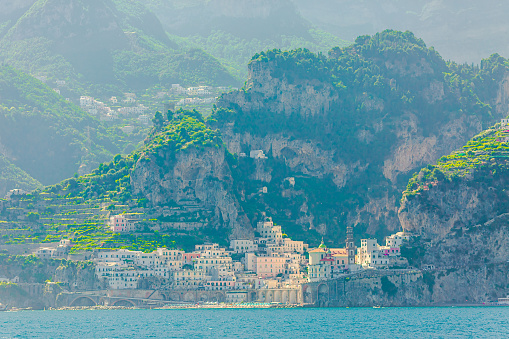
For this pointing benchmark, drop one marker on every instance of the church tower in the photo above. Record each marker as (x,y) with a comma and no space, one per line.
(350,247)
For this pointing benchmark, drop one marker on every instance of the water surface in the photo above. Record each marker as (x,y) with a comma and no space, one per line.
(440,322)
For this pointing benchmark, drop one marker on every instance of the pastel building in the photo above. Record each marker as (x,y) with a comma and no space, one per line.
(120,223)
(189,279)
(269,266)
(268,230)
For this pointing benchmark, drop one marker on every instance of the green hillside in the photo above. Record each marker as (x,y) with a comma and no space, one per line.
(77,208)
(12,177)
(484,159)
(45,135)
(374,104)
(233,33)
(342,135)
(117,43)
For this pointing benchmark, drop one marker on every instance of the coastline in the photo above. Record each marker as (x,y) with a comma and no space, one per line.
(241,306)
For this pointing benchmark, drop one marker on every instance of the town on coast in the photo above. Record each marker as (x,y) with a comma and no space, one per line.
(267,271)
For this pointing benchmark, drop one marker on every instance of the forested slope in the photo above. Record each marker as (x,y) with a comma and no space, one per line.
(111,43)
(351,128)
(46,136)
(233,31)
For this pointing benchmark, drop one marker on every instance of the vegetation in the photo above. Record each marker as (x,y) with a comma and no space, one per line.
(118,43)
(484,158)
(376,85)
(75,208)
(388,287)
(235,52)
(13,177)
(48,137)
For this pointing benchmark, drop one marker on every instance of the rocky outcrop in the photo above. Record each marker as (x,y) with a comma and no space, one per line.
(414,149)
(300,156)
(279,93)
(476,284)
(78,275)
(267,90)
(434,213)
(199,180)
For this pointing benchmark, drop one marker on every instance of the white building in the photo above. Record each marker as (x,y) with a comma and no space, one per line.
(144,119)
(86,101)
(243,246)
(268,230)
(118,275)
(188,279)
(396,240)
(257,154)
(370,254)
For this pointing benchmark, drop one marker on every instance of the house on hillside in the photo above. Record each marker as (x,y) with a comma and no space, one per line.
(120,224)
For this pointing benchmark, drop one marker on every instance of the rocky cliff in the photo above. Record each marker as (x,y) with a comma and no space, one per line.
(477,284)
(198,180)
(463,189)
(314,119)
(458,206)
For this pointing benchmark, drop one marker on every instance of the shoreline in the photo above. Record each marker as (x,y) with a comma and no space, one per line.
(235,306)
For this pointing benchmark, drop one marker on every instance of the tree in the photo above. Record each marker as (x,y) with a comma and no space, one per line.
(158,120)
(33,216)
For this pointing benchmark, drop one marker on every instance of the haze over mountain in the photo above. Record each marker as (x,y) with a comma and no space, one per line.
(461,30)
(46,136)
(233,31)
(108,42)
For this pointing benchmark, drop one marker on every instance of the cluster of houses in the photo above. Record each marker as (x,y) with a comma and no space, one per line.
(201,95)
(268,260)
(106,113)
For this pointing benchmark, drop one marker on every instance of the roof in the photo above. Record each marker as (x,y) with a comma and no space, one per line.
(317,250)
(339,251)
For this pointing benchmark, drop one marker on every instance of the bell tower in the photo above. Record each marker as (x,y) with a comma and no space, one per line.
(350,247)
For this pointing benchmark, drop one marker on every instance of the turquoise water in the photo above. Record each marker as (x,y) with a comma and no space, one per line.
(450,322)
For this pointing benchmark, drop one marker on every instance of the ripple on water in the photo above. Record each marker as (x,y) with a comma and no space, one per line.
(458,322)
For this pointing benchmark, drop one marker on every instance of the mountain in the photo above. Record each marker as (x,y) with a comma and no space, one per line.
(46,136)
(317,142)
(179,185)
(12,177)
(343,133)
(463,31)
(460,204)
(233,31)
(118,43)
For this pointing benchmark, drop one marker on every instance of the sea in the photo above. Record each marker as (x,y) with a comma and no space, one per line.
(437,322)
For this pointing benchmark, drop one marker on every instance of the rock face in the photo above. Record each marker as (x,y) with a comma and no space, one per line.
(473,285)
(268,91)
(446,207)
(293,113)
(78,276)
(196,181)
